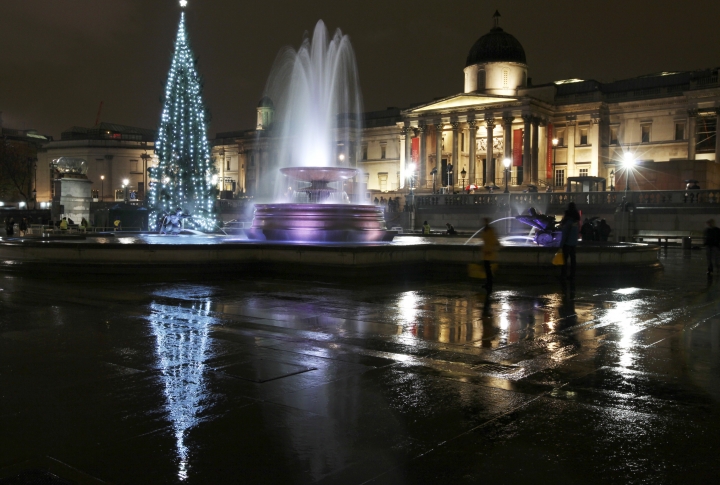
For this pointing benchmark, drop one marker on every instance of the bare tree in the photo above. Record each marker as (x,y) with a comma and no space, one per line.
(16,169)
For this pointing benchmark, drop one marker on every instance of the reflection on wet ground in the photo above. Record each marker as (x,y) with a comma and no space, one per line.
(272,381)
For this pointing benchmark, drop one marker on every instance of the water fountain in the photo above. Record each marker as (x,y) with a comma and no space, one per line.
(319,111)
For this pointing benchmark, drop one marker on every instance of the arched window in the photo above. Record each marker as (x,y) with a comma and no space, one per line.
(481,79)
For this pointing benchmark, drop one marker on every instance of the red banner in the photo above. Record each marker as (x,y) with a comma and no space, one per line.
(549,165)
(415,153)
(517,148)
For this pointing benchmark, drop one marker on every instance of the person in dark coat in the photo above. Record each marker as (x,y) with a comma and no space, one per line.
(712,245)
(586,231)
(9,226)
(604,230)
(570,231)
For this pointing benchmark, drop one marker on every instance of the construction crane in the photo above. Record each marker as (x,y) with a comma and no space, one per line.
(97,119)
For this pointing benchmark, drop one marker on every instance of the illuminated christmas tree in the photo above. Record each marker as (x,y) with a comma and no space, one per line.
(185,176)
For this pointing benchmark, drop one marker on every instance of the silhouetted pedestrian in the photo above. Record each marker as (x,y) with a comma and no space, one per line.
(450,229)
(604,230)
(570,230)
(712,245)
(490,250)
(586,231)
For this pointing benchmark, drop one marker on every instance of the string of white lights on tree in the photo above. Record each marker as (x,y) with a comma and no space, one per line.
(185,176)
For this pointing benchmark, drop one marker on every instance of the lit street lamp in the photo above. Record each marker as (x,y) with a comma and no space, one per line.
(507,163)
(612,180)
(555,142)
(126,182)
(102,187)
(629,162)
(462,175)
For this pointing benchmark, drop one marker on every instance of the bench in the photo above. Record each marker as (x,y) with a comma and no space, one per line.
(666,235)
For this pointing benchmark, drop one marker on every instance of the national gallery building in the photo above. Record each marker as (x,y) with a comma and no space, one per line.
(665,123)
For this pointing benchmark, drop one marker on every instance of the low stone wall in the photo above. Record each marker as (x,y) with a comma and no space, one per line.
(62,258)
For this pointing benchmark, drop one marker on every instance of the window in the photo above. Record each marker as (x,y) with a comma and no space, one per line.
(559,177)
(462,142)
(133,165)
(583,136)
(706,132)
(364,148)
(614,135)
(383,151)
(679,131)
(382,180)
(227,164)
(561,138)
(583,172)
(481,79)
(645,133)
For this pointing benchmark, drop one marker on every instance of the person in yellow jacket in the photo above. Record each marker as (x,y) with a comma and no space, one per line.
(491,245)
(63,225)
(426,228)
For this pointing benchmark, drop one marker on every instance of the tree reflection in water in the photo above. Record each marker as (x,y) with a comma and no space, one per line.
(182,348)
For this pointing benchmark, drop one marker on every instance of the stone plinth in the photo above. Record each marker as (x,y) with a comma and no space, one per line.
(72,198)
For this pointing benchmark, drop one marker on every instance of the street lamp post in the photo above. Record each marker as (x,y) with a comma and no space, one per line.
(34,192)
(555,142)
(449,176)
(506,163)
(462,175)
(125,186)
(612,180)
(102,188)
(433,172)
(629,162)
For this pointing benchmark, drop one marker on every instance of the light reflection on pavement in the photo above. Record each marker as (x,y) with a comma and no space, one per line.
(283,381)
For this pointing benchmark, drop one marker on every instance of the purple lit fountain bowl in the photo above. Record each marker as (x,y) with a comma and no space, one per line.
(319,223)
(320,174)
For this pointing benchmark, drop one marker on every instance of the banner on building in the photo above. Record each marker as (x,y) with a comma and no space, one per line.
(517,148)
(549,176)
(415,153)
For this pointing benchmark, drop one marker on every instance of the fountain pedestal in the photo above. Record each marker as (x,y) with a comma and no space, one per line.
(319,222)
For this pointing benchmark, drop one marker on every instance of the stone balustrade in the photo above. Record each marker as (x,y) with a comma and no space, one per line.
(645,198)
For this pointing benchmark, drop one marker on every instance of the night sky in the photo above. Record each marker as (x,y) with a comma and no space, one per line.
(60,58)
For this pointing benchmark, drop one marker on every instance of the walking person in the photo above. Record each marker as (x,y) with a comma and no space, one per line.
(9,226)
(569,226)
(712,245)
(491,244)
(23,227)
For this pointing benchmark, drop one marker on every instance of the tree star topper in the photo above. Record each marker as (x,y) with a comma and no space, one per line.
(183,3)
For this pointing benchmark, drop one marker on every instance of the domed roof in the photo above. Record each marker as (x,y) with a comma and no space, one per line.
(266,102)
(496,46)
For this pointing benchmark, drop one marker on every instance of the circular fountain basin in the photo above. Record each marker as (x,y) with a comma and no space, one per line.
(319,223)
(320,174)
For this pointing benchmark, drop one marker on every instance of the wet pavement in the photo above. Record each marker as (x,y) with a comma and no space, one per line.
(421,382)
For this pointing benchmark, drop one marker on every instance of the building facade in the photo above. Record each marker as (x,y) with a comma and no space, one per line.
(665,122)
(114,154)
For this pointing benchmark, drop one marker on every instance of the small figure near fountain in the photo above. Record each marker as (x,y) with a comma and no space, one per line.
(172,223)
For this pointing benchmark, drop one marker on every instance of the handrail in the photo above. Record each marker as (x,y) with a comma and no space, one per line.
(644,198)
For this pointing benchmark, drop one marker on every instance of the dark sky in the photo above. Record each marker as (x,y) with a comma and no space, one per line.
(60,58)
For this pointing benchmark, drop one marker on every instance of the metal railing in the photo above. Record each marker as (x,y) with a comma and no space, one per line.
(644,198)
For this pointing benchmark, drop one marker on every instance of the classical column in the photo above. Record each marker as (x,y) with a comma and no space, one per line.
(570,163)
(535,148)
(595,150)
(473,131)
(455,154)
(692,136)
(404,142)
(527,154)
(438,154)
(489,159)
(507,134)
(717,138)
(422,170)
